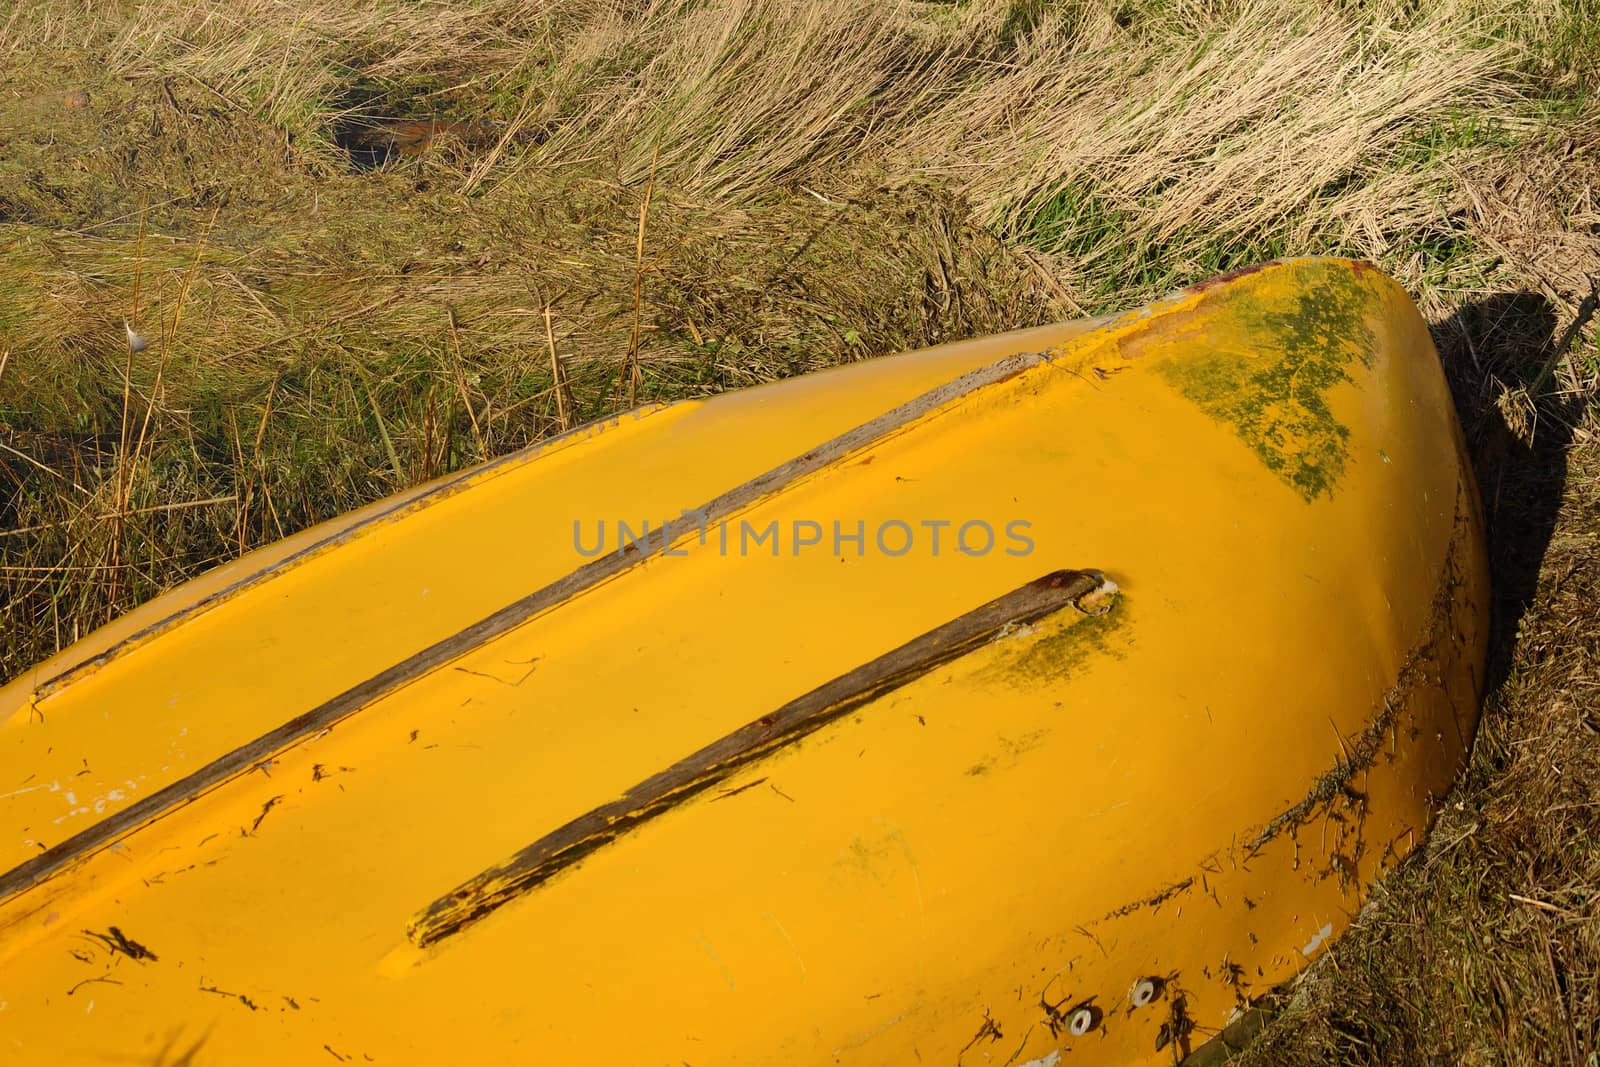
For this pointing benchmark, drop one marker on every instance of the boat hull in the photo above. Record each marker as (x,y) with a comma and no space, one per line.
(772,775)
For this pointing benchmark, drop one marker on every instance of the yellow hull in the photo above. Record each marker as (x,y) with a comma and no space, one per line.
(786,780)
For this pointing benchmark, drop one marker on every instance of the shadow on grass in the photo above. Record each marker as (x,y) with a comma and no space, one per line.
(1492,348)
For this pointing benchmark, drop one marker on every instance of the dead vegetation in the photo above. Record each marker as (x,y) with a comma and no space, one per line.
(325,322)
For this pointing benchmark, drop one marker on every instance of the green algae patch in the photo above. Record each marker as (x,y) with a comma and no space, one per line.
(1061,647)
(1299,343)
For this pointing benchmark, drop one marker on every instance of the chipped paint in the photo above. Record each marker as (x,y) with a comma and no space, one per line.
(53,787)
(1317,939)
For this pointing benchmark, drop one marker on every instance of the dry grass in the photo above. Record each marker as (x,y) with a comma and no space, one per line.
(830,181)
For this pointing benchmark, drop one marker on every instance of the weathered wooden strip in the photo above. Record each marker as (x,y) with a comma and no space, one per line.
(324,715)
(695,773)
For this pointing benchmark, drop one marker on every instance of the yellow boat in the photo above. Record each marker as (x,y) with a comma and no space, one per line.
(1040,699)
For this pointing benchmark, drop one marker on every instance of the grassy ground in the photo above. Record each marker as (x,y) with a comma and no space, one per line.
(651,199)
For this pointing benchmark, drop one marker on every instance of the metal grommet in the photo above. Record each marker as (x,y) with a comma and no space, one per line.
(1081,1023)
(1144,991)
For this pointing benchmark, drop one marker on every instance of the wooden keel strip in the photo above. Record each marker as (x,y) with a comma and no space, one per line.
(716,762)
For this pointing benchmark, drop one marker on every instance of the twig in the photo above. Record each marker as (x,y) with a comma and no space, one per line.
(630,366)
(233,104)
(376,305)
(557,372)
(1520,899)
(128,470)
(166,345)
(240,514)
(1586,311)
(513,132)
(106,978)
(383,429)
(88,230)
(52,473)
(1052,283)
(72,568)
(255,463)
(178,506)
(822,199)
(123,480)
(461,384)
(132,324)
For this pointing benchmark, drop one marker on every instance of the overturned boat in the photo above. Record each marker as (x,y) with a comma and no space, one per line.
(1038,699)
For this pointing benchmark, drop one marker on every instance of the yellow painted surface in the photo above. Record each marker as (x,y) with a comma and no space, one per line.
(1199,786)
